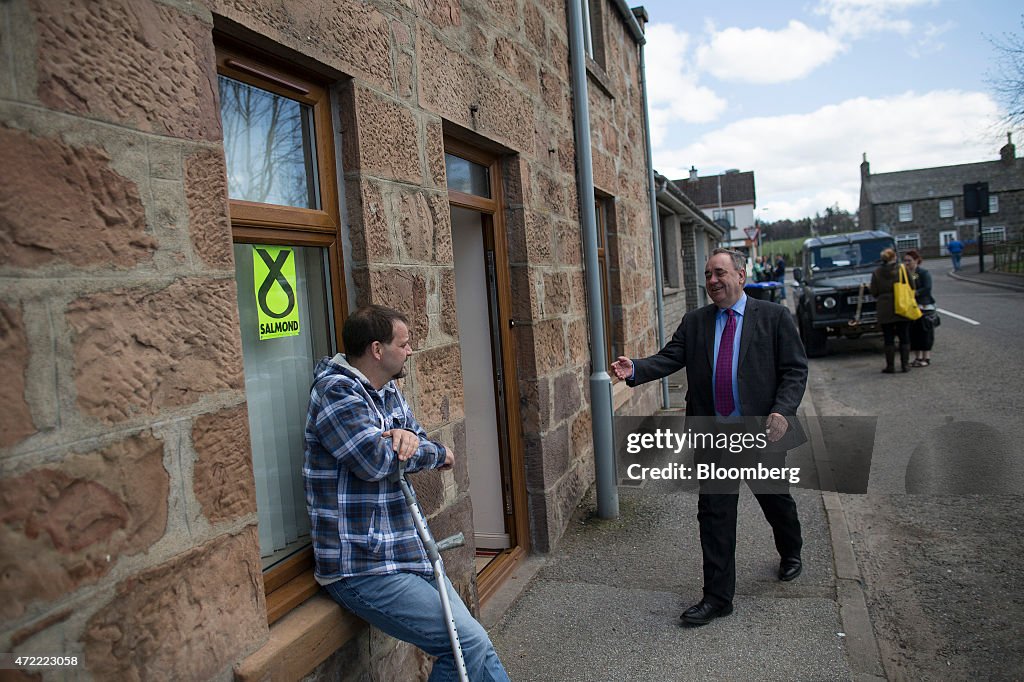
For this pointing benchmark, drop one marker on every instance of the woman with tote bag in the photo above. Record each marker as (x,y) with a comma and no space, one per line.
(883,283)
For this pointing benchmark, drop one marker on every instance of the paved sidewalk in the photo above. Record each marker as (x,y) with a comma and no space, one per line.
(606,604)
(971,272)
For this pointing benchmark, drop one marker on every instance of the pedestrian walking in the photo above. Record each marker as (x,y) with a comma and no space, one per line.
(743,358)
(956,249)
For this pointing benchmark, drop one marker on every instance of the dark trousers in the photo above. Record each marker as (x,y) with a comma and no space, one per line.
(716,516)
(891,330)
(922,332)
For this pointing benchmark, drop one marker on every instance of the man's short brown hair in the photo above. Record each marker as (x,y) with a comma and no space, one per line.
(368,324)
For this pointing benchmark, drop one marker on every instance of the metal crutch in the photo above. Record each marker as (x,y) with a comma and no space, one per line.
(434,550)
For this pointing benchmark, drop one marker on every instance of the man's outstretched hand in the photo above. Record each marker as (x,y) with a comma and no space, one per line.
(623,367)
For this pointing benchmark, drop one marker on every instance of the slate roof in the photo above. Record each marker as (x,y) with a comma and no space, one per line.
(944,181)
(737,188)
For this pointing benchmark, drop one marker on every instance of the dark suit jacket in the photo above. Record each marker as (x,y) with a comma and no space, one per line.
(771,374)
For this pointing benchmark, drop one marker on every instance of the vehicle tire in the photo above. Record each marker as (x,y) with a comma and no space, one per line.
(815,340)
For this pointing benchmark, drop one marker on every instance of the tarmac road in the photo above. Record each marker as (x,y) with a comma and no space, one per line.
(938,538)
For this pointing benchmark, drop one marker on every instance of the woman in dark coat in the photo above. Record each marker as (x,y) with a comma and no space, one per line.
(922,330)
(893,325)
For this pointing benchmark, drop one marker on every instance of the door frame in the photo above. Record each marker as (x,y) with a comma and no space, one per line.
(493,210)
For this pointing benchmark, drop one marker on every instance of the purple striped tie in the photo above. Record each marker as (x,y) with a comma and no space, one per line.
(724,404)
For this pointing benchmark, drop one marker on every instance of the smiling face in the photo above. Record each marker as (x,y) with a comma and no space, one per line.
(723,281)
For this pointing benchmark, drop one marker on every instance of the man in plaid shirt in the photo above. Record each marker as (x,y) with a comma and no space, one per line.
(368,555)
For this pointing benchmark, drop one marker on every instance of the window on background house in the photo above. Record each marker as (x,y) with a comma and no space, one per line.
(993,203)
(996,233)
(278,146)
(906,212)
(907,241)
(725,217)
(946,208)
(602,206)
(670,276)
(593,35)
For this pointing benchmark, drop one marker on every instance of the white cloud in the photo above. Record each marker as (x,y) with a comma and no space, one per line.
(857,18)
(761,56)
(803,163)
(673,92)
(929,42)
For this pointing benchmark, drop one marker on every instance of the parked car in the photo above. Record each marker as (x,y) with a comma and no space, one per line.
(832,282)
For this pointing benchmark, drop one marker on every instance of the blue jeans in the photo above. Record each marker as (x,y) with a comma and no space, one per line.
(956,260)
(407,606)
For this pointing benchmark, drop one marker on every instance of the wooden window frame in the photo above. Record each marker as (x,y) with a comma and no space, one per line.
(291,582)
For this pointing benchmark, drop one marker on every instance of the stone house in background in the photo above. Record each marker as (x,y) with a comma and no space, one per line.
(194,195)
(923,209)
(728,198)
(688,236)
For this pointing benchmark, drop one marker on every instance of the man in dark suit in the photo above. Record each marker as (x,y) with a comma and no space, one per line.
(743,359)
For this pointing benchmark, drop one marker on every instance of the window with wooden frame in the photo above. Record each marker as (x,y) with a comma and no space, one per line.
(602,205)
(285,221)
(592,12)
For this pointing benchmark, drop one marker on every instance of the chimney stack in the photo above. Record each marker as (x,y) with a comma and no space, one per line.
(865,168)
(693,173)
(1008,153)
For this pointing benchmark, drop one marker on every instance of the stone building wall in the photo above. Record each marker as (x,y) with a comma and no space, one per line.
(124,468)
(927,224)
(126,484)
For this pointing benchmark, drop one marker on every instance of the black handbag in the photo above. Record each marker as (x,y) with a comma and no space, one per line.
(933,317)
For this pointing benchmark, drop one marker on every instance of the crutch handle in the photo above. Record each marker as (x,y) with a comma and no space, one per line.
(399,472)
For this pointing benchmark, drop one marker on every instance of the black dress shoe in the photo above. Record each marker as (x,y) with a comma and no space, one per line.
(704,612)
(789,568)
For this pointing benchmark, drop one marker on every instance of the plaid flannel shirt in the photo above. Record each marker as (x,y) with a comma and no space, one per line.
(360,522)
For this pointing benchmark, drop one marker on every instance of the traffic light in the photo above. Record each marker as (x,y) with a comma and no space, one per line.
(975,199)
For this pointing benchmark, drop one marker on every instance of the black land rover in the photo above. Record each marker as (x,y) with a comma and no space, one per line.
(833,287)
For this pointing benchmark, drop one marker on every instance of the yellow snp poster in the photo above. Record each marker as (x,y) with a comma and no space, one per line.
(273,269)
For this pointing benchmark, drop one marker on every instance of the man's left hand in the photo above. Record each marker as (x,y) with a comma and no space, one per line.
(776,426)
(405,443)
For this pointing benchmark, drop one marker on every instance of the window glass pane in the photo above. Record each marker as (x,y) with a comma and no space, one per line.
(268,142)
(993,203)
(467,177)
(946,208)
(906,213)
(278,374)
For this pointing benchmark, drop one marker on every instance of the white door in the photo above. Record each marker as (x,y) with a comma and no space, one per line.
(945,237)
(474,288)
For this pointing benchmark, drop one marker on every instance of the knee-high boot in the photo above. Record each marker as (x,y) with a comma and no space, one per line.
(890,360)
(904,358)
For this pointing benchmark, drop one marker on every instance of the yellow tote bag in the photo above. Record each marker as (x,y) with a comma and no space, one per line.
(904,303)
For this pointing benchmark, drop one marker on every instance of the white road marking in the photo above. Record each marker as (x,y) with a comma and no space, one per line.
(959,317)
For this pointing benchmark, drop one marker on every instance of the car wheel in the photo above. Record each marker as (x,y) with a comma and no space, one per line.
(815,340)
